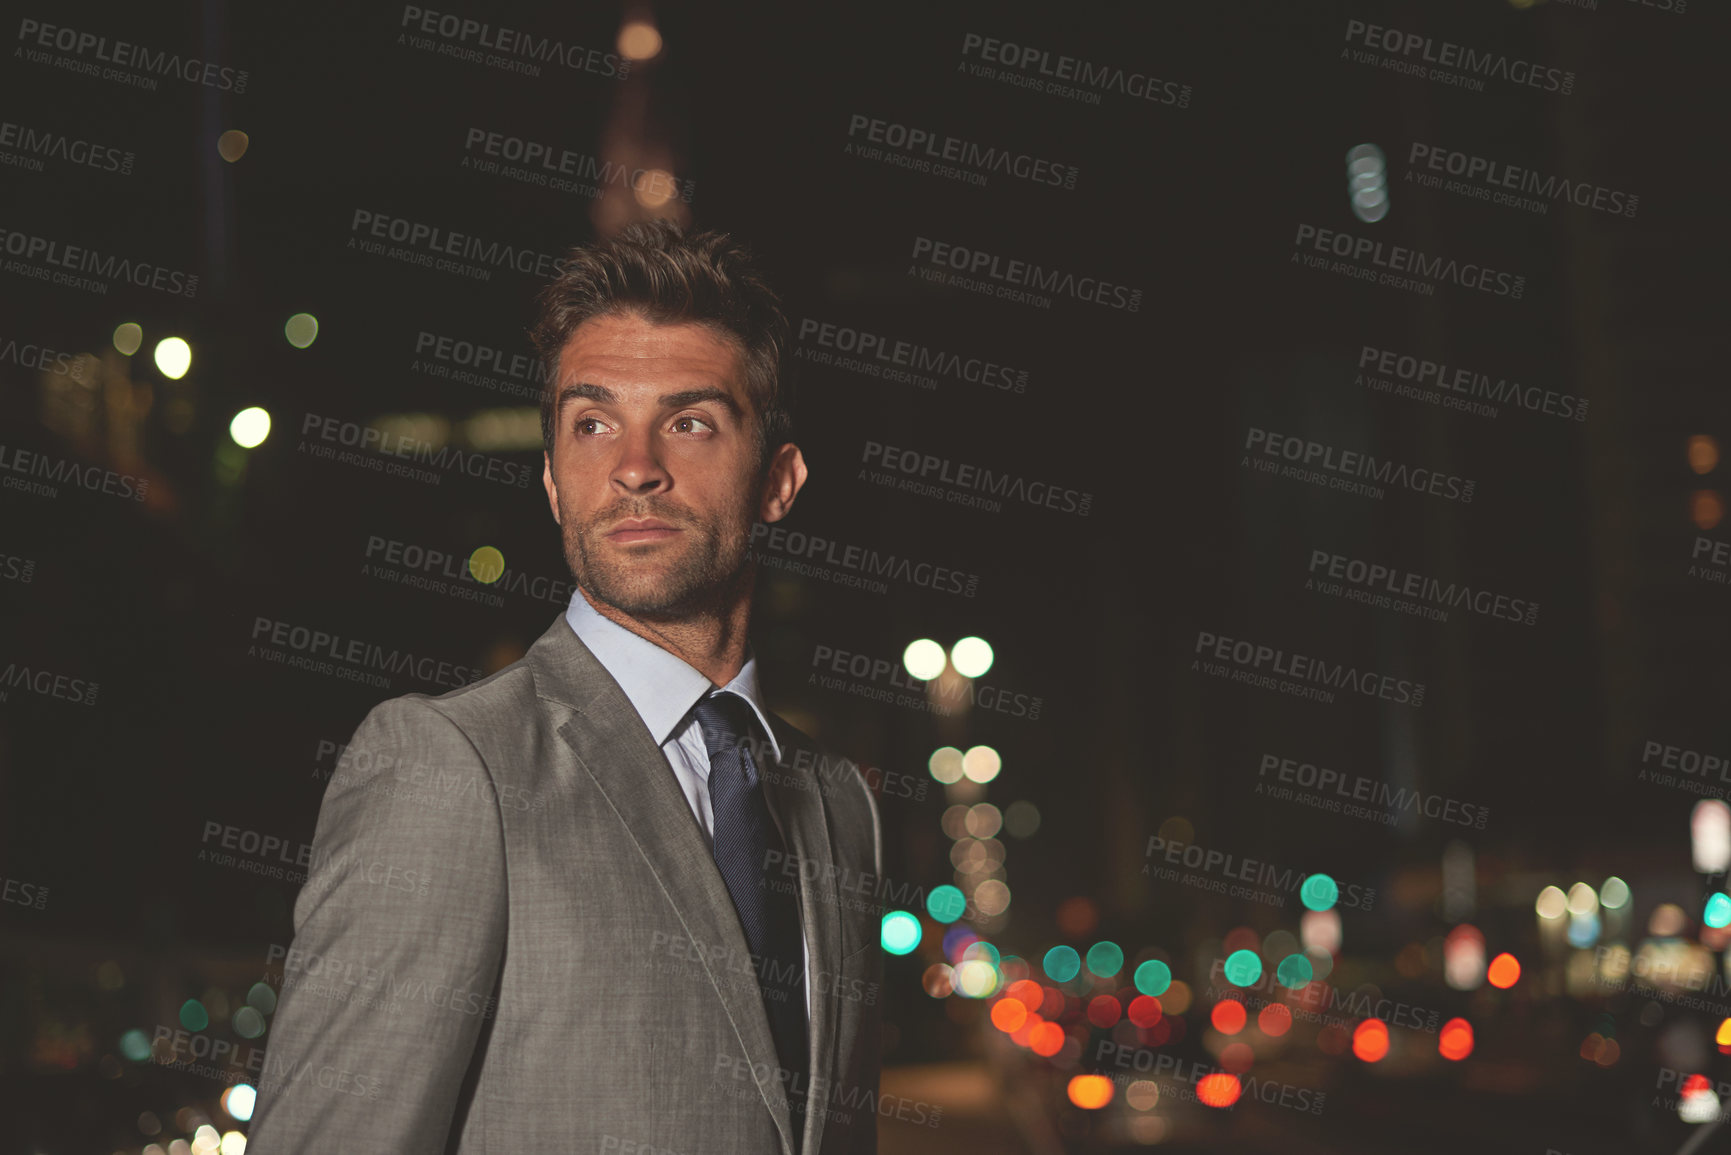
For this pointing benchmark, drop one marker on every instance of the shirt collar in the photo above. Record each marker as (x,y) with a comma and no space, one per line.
(661,686)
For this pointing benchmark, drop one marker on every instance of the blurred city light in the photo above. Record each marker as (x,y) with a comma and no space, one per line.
(923,659)
(1320,892)
(1061,964)
(1504,971)
(302,330)
(1456,1040)
(238,1101)
(981,764)
(1710,836)
(1243,968)
(1703,453)
(487,565)
(128,337)
(231,146)
(971,656)
(250,427)
(1464,958)
(945,764)
(173,357)
(1367,182)
(1153,977)
(639,40)
(900,933)
(1552,903)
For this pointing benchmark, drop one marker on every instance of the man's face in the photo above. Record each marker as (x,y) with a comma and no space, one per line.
(654,474)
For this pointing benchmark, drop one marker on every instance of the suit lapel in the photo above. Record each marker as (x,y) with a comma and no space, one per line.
(795,797)
(616,750)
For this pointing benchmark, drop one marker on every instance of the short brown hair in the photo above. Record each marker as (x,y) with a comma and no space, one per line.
(655,269)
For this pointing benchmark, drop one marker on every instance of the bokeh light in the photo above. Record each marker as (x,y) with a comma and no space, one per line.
(232,145)
(1228,1016)
(971,656)
(900,933)
(923,659)
(1504,971)
(129,337)
(1105,959)
(1153,977)
(1243,968)
(1062,964)
(173,357)
(1319,892)
(1455,1042)
(946,903)
(250,427)
(1090,1092)
(302,330)
(1370,1040)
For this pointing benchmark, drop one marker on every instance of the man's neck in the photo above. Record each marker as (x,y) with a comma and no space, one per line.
(712,641)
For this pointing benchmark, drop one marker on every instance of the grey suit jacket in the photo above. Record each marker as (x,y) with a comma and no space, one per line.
(513,938)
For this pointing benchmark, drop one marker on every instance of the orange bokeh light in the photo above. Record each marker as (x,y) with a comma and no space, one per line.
(1090,1092)
(1029,993)
(1008,1015)
(1370,1040)
(1456,1040)
(1504,971)
(1275,1020)
(1218,1090)
(1722,1037)
(1228,1016)
(1047,1039)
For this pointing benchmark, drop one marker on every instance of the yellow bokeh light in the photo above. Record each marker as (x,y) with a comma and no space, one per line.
(128,337)
(231,146)
(487,565)
(301,330)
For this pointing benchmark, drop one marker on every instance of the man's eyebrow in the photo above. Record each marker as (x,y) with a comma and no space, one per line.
(667,400)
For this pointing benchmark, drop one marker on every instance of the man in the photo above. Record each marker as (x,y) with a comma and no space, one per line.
(590,903)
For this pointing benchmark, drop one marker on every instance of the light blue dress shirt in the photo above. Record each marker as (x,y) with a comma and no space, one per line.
(663,689)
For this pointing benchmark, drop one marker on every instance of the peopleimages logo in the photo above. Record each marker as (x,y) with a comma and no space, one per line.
(1270,668)
(122,54)
(926,150)
(447,34)
(1424,379)
(1067,76)
(982,272)
(1498,179)
(35,145)
(1386,587)
(1399,259)
(1352,470)
(1425,56)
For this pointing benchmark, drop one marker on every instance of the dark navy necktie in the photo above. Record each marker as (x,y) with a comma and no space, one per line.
(764,895)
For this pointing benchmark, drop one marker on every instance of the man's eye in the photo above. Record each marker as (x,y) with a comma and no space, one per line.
(680,423)
(584,422)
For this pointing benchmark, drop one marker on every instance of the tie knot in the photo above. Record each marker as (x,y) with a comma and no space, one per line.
(726,721)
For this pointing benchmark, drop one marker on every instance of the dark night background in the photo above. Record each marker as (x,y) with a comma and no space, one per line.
(106,805)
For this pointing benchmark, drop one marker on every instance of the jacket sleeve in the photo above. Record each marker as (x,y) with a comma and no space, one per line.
(399,938)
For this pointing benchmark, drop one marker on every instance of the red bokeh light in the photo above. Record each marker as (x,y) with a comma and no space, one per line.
(1228,1016)
(1275,1020)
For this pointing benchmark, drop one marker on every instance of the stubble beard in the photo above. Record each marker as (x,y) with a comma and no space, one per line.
(693,574)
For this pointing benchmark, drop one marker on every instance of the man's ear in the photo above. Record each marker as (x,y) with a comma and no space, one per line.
(782,482)
(549,485)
